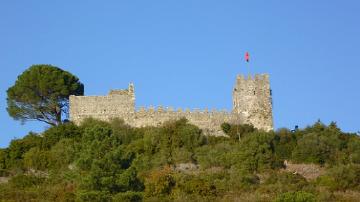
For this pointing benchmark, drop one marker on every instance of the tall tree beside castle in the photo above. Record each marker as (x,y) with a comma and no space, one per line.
(42,93)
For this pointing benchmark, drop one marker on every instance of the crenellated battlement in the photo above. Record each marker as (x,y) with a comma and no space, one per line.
(251,104)
(161,109)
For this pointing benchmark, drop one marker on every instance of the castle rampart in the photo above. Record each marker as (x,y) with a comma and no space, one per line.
(251,104)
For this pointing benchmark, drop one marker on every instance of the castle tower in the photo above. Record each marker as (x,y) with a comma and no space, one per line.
(131,91)
(252,100)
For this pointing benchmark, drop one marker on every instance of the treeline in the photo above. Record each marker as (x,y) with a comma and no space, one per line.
(111,161)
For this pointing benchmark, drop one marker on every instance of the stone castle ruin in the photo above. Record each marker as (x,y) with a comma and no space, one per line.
(252,104)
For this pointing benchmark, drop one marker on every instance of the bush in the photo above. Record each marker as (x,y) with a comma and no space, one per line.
(219,155)
(22,181)
(4,156)
(206,185)
(256,152)
(341,177)
(36,159)
(320,144)
(96,196)
(354,149)
(159,182)
(19,147)
(56,133)
(279,182)
(128,196)
(242,179)
(62,154)
(179,134)
(314,148)
(124,132)
(111,161)
(198,185)
(300,196)
(237,132)
(284,143)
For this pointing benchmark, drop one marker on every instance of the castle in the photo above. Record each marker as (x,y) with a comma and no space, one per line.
(252,104)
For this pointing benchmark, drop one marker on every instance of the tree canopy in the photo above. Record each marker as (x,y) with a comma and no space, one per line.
(42,93)
(176,161)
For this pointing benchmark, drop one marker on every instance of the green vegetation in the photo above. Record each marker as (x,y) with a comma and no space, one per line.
(42,93)
(111,161)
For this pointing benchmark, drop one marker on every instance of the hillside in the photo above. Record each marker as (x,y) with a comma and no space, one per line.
(101,161)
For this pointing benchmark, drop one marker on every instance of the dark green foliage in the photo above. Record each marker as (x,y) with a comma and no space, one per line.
(319,145)
(62,154)
(19,147)
(242,179)
(37,159)
(22,181)
(284,143)
(353,149)
(257,152)
(42,93)
(236,132)
(105,161)
(300,196)
(219,155)
(226,127)
(3,158)
(342,177)
(179,134)
(96,196)
(128,196)
(279,182)
(56,133)
(203,186)
(111,161)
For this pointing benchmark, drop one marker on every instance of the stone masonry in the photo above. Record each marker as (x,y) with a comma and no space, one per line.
(252,104)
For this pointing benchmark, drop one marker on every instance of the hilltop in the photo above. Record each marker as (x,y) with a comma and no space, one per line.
(112,161)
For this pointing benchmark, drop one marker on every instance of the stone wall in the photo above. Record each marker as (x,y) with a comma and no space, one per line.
(208,121)
(119,103)
(251,100)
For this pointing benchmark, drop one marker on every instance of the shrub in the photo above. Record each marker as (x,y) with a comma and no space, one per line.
(19,147)
(242,179)
(314,148)
(159,182)
(22,181)
(36,159)
(279,182)
(321,144)
(256,152)
(128,196)
(62,154)
(3,158)
(96,196)
(354,149)
(237,132)
(300,196)
(200,187)
(284,143)
(204,186)
(341,177)
(56,133)
(219,155)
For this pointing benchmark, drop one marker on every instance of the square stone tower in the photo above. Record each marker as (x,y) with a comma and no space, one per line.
(252,100)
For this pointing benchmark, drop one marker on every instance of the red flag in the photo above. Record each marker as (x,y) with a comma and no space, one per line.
(247,56)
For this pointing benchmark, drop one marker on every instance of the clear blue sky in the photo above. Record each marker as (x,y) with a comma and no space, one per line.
(187,53)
